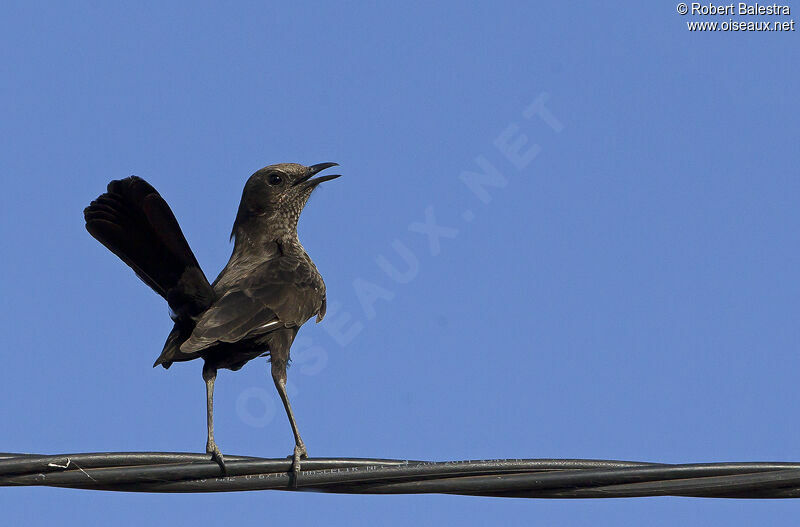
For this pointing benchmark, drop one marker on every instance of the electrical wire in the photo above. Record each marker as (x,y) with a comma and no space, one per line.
(513,478)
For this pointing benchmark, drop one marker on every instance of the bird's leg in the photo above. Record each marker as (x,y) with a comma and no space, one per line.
(210,375)
(279,376)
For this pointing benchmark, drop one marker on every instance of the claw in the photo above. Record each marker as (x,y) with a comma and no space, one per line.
(216,456)
(300,452)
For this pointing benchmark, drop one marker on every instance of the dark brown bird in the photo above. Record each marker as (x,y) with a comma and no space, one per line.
(269,288)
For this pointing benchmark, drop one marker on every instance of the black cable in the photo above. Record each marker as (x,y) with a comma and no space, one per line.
(517,478)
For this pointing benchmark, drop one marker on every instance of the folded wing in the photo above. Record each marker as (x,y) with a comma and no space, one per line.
(280,293)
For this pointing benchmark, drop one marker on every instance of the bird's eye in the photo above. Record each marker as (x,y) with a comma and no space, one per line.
(275,179)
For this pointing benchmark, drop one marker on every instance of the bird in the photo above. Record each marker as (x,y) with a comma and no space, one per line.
(269,288)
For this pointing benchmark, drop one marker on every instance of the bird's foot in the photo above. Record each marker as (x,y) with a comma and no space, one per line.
(300,452)
(216,455)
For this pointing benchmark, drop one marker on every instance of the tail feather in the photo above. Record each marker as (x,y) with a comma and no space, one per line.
(134,222)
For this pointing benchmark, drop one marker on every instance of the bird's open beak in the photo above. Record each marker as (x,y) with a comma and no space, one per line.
(313,169)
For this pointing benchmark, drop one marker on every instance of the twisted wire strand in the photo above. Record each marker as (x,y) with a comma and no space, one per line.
(513,478)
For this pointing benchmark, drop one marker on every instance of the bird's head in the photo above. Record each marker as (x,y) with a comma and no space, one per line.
(274,196)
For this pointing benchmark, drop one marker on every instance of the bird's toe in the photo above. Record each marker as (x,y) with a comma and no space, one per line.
(216,456)
(299,453)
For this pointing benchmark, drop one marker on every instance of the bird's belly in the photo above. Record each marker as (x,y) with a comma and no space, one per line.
(232,356)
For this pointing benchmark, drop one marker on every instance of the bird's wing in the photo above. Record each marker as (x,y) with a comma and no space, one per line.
(282,292)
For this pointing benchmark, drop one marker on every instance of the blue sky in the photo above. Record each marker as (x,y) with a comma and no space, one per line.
(627,288)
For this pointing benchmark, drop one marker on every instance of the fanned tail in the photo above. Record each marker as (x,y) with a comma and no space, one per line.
(134,222)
